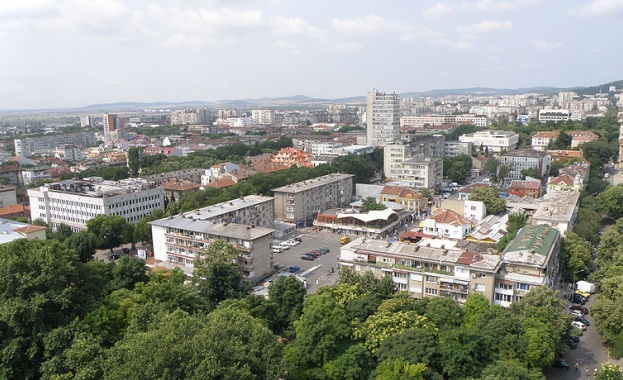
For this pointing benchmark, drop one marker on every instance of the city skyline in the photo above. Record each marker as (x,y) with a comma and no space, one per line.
(74,53)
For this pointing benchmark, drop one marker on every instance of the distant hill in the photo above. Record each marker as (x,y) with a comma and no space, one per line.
(602,88)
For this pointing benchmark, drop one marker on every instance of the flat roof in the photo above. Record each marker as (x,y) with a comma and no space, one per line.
(312,183)
(231,230)
(558,206)
(532,245)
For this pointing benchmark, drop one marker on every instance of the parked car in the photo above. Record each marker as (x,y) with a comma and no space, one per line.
(576,313)
(291,243)
(277,250)
(114,256)
(323,250)
(583,320)
(581,308)
(576,339)
(294,268)
(571,343)
(298,239)
(583,293)
(578,299)
(314,253)
(126,251)
(283,246)
(578,325)
(560,363)
(308,257)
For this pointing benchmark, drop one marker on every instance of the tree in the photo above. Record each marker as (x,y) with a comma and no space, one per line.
(134,160)
(414,345)
(530,172)
(383,324)
(63,231)
(576,255)
(461,355)
(562,142)
(353,364)
(476,305)
(220,251)
(490,197)
(111,230)
(609,371)
(220,281)
(286,293)
(510,369)
(128,272)
(371,204)
(398,369)
(84,243)
(503,172)
(444,312)
(491,165)
(611,201)
(457,172)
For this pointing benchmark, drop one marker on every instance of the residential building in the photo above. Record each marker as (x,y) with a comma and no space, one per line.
(75,202)
(263,117)
(383,118)
(417,162)
(456,148)
(447,224)
(559,155)
(541,140)
(409,198)
(300,202)
(8,196)
(432,268)
(424,173)
(530,187)
(11,230)
(565,182)
(434,120)
(473,210)
(491,229)
(86,121)
(526,159)
(112,122)
(530,260)
(554,115)
(493,141)
(466,191)
(472,119)
(174,188)
(191,116)
(376,224)
(47,145)
(71,153)
(192,175)
(292,156)
(246,222)
(581,137)
(558,209)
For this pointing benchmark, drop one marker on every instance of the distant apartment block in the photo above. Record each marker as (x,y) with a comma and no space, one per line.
(75,202)
(383,118)
(112,122)
(415,163)
(300,202)
(554,115)
(48,144)
(263,117)
(192,175)
(541,140)
(71,153)
(431,120)
(494,141)
(581,137)
(457,148)
(86,121)
(526,159)
(190,116)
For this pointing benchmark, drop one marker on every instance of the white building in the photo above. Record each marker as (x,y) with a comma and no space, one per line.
(45,145)
(447,224)
(263,117)
(554,115)
(559,209)
(541,140)
(495,141)
(190,116)
(383,118)
(456,148)
(70,153)
(75,202)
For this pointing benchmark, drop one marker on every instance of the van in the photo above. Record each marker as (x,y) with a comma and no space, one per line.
(284,246)
(344,239)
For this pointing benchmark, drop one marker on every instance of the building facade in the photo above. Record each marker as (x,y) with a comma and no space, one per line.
(383,118)
(190,116)
(75,202)
(263,117)
(494,141)
(526,159)
(300,202)
(48,144)
(541,140)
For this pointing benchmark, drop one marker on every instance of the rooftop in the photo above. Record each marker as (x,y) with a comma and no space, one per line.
(558,206)
(531,153)
(532,245)
(97,187)
(312,183)
(11,230)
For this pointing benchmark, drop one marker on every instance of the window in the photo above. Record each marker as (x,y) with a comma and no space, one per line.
(503,297)
(431,291)
(505,286)
(525,287)
(479,287)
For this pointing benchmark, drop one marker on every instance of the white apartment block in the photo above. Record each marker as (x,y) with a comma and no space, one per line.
(526,159)
(477,120)
(300,202)
(70,153)
(322,148)
(421,121)
(190,116)
(554,115)
(75,202)
(383,118)
(86,121)
(245,222)
(541,140)
(46,145)
(263,117)
(413,166)
(495,141)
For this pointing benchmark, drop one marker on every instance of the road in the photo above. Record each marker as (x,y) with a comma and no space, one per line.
(589,354)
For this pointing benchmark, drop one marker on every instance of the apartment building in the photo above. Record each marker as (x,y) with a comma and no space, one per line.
(48,144)
(75,202)
(383,118)
(8,196)
(558,209)
(456,148)
(409,198)
(263,117)
(530,260)
(190,116)
(292,156)
(432,120)
(300,202)
(447,224)
(526,159)
(494,141)
(246,223)
(581,137)
(541,140)
(432,268)
(554,115)
(417,162)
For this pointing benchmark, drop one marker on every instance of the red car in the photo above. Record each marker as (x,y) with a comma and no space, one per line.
(580,308)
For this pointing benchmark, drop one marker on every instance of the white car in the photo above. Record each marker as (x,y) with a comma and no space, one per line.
(577,313)
(578,325)
(284,246)
(291,242)
(277,250)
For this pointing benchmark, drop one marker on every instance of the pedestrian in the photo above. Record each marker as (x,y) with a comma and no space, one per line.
(305,286)
(317,281)
(595,372)
(577,367)
(587,372)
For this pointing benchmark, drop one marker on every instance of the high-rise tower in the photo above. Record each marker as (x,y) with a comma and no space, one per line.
(383,118)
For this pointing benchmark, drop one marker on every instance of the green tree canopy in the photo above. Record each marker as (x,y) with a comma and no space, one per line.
(84,243)
(611,201)
(111,230)
(490,197)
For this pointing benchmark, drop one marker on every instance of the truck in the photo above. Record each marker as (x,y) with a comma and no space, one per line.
(585,286)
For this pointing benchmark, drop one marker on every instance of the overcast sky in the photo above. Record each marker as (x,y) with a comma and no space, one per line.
(71,53)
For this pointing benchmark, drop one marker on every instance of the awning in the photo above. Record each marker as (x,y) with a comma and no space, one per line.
(461,282)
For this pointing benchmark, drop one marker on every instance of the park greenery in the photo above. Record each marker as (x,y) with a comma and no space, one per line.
(488,195)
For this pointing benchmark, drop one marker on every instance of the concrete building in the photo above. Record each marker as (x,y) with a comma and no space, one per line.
(526,159)
(11,230)
(300,202)
(475,211)
(383,118)
(558,209)
(190,116)
(417,162)
(541,140)
(112,122)
(376,224)
(8,196)
(581,137)
(263,117)
(494,141)
(456,148)
(432,268)
(86,121)
(554,115)
(48,144)
(530,260)
(530,187)
(71,153)
(75,202)
(447,224)
(246,222)
(409,198)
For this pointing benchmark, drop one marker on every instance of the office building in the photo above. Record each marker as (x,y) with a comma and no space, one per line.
(526,159)
(190,116)
(300,202)
(383,118)
(75,202)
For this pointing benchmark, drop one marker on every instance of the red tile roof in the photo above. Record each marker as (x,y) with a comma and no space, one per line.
(449,217)
(28,229)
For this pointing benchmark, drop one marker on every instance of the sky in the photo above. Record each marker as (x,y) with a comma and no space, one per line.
(73,53)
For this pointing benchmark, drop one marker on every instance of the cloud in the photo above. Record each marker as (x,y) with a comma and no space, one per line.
(503,6)
(371,23)
(341,46)
(290,48)
(294,26)
(485,26)
(438,10)
(600,8)
(544,45)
